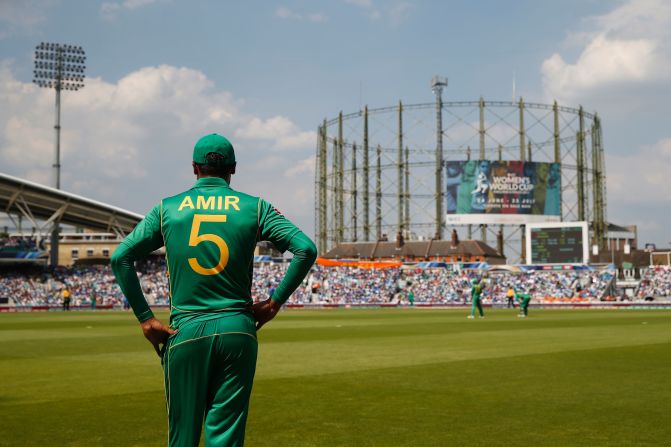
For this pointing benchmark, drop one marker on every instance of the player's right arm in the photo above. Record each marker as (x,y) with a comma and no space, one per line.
(145,238)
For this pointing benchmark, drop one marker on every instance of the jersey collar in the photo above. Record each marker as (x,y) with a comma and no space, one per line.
(211,181)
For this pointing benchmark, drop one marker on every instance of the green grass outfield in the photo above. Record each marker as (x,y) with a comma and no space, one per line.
(389,377)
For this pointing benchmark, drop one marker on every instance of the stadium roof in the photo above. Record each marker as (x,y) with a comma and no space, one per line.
(43,205)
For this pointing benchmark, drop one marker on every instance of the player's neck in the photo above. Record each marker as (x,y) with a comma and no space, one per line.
(226,178)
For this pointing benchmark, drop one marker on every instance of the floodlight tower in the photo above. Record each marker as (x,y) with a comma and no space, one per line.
(437,85)
(58,66)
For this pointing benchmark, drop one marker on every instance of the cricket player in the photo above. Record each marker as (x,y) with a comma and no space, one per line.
(523,299)
(476,302)
(209,350)
(510,294)
(67,297)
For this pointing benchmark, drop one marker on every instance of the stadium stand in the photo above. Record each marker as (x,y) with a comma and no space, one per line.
(15,249)
(41,287)
(350,285)
(326,285)
(655,283)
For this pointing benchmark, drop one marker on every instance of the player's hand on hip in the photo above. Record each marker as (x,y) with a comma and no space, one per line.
(157,333)
(264,311)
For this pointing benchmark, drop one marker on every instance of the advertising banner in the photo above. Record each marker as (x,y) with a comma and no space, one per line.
(502,192)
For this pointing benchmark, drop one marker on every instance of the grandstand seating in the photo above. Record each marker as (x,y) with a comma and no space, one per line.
(655,282)
(331,285)
(15,247)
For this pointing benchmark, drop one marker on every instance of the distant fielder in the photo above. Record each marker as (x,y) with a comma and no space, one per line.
(523,299)
(209,351)
(476,301)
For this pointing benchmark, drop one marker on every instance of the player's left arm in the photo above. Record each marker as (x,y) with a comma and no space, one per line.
(276,228)
(145,238)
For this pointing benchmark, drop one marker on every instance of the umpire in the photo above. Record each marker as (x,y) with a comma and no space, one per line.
(209,350)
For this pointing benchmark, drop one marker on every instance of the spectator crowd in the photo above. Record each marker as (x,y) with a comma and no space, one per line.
(655,282)
(85,284)
(19,243)
(349,285)
(327,285)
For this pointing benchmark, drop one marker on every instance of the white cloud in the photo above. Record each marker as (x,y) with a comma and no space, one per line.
(286,13)
(622,69)
(628,46)
(394,12)
(22,17)
(129,142)
(109,10)
(280,129)
(303,167)
(636,17)
(642,176)
(603,62)
(315,17)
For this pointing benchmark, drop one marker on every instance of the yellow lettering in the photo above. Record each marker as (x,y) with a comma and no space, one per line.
(232,201)
(203,204)
(211,203)
(195,239)
(186,202)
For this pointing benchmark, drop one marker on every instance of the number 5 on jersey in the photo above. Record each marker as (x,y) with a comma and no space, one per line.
(195,239)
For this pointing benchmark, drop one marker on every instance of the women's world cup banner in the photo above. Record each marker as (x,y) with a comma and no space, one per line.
(503,192)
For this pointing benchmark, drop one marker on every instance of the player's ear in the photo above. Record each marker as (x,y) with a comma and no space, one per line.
(195,168)
(233,168)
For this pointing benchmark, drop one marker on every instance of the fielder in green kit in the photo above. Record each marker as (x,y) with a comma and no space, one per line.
(209,351)
(523,299)
(476,301)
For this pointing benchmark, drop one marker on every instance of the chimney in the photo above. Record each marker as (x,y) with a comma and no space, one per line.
(499,241)
(455,239)
(399,240)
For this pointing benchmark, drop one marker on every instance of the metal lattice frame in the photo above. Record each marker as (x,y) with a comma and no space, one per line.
(376,169)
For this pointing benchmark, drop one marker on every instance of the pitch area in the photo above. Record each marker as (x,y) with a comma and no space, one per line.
(390,377)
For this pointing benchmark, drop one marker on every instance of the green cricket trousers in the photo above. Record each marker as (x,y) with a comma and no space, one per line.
(208,368)
(476,304)
(524,307)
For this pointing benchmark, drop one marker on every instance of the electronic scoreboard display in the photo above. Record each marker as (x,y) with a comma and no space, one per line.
(565,244)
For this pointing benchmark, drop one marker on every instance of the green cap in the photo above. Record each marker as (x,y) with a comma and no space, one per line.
(213,143)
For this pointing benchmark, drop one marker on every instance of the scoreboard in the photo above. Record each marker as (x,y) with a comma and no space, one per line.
(564,243)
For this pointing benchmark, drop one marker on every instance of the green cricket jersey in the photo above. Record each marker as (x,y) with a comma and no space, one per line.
(209,233)
(521,297)
(476,291)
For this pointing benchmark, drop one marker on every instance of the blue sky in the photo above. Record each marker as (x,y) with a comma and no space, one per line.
(163,72)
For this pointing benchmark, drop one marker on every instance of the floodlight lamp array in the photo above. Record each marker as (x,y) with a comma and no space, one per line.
(438,82)
(59,66)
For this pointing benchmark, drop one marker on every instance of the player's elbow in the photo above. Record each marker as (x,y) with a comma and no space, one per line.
(119,258)
(303,247)
(311,252)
